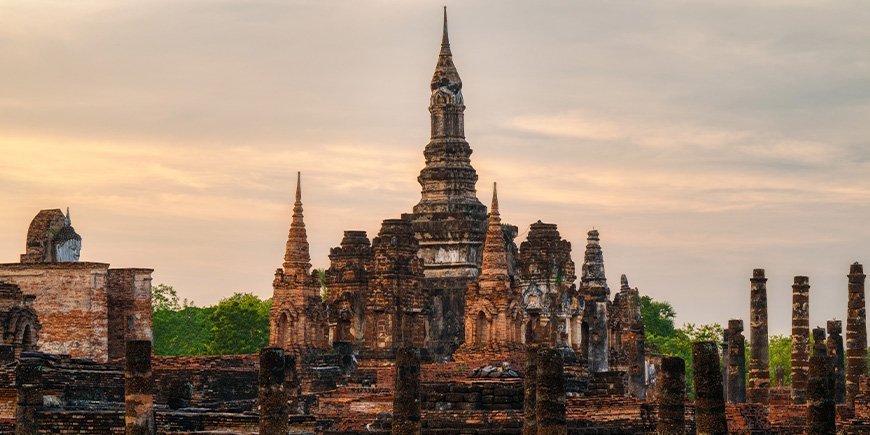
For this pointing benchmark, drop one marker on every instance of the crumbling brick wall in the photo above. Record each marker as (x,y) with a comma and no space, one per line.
(71,302)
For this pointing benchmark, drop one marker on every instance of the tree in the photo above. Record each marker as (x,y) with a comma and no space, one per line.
(240,324)
(184,332)
(164,297)
(658,317)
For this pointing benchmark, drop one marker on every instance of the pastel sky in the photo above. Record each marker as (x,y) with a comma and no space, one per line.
(702,139)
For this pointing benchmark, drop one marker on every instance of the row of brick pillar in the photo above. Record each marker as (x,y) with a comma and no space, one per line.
(848,364)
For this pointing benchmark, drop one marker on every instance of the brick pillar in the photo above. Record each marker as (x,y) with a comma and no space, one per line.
(530,386)
(406,399)
(821,408)
(856,333)
(551,401)
(709,401)
(800,338)
(291,385)
(736,362)
(835,350)
(759,356)
(272,402)
(599,351)
(672,397)
(28,383)
(138,384)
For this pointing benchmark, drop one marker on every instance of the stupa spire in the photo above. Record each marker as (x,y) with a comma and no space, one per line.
(494,271)
(297,259)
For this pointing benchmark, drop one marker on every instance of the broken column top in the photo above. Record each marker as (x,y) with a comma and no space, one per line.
(801,280)
(856,269)
(735,325)
(835,327)
(819,346)
(758,275)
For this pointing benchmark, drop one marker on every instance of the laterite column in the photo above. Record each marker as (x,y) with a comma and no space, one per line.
(759,353)
(138,394)
(800,338)
(856,333)
(272,404)
(672,397)
(406,400)
(28,383)
(550,404)
(821,408)
(709,400)
(835,350)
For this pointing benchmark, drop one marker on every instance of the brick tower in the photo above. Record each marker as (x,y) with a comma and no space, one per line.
(449,222)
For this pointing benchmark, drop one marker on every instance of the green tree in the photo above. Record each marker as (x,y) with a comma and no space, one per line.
(164,297)
(180,328)
(780,356)
(185,332)
(240,324)
(658,317)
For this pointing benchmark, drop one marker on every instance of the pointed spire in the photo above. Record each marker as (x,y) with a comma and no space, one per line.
(494,208)
(299,188)
(68,220)
(445,72)
(297,260)
(445,40)
(494,271)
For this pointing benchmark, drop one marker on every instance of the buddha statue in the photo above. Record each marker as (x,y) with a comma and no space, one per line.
(67,243)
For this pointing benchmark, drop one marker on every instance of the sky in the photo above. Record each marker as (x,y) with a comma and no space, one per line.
(702,139)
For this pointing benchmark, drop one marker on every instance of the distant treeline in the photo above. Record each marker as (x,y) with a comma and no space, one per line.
(238,324)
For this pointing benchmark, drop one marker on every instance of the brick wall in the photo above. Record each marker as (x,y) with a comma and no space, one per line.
(128,294)
(71,303)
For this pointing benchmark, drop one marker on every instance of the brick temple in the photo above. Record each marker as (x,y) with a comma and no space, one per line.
(441,323)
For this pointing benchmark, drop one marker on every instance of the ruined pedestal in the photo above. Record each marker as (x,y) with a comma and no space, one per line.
(856,333)
(835,350)
(736,358)
(759,356)
(138,384)
(800,338)
(28,382)
(671,396)
(709,401)
(550,404)
(821,408)
(272,401)
(406,399)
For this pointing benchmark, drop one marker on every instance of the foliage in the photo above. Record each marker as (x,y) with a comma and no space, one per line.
(238,324)
(184,332)
(164,298)
(780,356)
(241,324)
(321,279)
(658,317)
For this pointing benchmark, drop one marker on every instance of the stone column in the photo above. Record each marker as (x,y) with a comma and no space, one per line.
(736,362)
(530,386)
(272,403)
(28,383)
(709,401)
(550,404)
(821,408)
(672,397)
(759,356)
(599,351)
(406,399)
(835,350)
(856,333)
(291,385)
(138,384)
(800,338)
